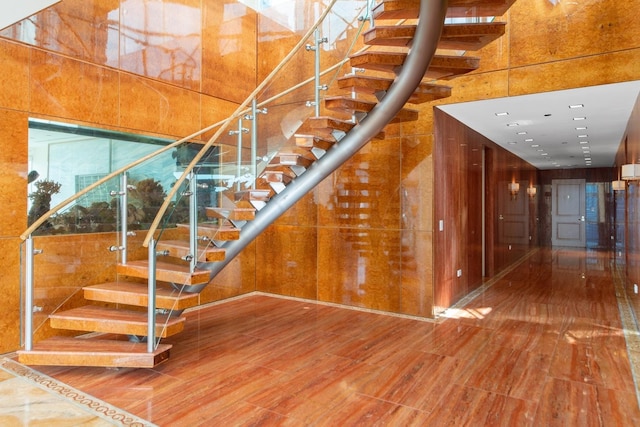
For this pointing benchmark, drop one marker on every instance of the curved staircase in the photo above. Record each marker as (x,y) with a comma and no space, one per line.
(322,144)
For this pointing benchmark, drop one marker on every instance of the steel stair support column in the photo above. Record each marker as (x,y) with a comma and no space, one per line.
(151,298)
(239,133)
(318,87)
(193,220)
(254,139)
(28,294)
(423,47)
(124,213)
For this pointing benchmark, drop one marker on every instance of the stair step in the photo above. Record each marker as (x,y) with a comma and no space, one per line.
(314,141)
(409,9)
(250,195)
(136,294)
(275,176)
(441,67)
(285,158)
(472,36)
(352,106)
(165,272)
(233,214)
(426,92)
(211,231)
(59,351)
(323,126)
(93,318)
(181,249)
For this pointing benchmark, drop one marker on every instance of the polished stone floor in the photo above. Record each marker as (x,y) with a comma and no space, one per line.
(543,344)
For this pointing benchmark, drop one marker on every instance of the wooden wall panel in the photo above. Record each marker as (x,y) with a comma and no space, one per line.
(629,152)
(458,203)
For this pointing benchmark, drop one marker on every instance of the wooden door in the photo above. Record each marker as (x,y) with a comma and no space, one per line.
(513,215)
(568,211)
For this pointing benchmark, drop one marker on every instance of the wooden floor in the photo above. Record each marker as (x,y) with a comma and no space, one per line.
(542,346)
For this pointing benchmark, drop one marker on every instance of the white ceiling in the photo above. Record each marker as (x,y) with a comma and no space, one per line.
(542,128)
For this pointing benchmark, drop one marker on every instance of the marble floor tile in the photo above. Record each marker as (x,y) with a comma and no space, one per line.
(542,345)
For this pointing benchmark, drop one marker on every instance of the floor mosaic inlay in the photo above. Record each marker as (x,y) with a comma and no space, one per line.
(23,389)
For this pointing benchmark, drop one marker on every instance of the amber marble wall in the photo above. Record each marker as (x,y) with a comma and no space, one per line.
(164,68)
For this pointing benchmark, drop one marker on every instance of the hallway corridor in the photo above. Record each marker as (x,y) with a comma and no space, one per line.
(543,345)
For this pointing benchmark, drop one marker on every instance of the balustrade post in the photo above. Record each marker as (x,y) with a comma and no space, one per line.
(151,298)
(28,295)
(193,220)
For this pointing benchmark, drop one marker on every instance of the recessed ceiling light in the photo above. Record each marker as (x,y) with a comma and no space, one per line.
(502,114)
(544,154)
(579,118)
(583,136)
(583,142)
(576,106)
(512,143)
(585,148)
(581,128)
(512,124)
(540,150)
(535,145)
(528,140)
(522,133)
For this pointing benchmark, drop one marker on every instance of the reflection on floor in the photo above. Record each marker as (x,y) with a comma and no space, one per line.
(543,344)
(28,397)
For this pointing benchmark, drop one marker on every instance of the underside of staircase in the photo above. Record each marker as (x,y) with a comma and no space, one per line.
(110,330)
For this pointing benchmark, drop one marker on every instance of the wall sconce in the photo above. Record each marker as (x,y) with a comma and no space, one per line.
(514,189)
(630,172)
(618,185)
(531,191)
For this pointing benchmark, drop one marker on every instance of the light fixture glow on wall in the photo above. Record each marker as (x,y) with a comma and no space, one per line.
(532,191)
(514,188)
(618,185)
(631,172)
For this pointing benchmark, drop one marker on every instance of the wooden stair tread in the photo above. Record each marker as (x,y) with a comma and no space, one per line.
(234,214)
(466,36)
(165,272)
(350,105)
(425,92)
(441,67)
(291,159)
(215,231)
(181,249)
(311,141)
(136,294)
(59,351)
(409,9)
(95,318)
(325,125)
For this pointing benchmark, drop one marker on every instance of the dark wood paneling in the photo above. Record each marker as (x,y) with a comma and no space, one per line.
(629,152)
(458,157)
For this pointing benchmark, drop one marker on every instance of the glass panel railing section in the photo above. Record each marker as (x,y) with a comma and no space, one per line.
(73,248)
(335,37)
(298,88)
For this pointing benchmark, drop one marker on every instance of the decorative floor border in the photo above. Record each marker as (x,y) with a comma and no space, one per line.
(90,404)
